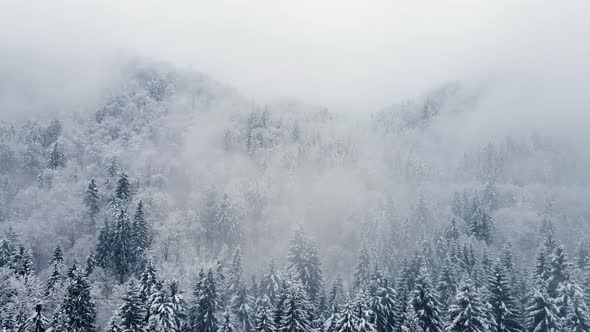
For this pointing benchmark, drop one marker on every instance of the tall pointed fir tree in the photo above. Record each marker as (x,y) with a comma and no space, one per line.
(468,312)
(304,263)
(37,322)
(89,264)
(382,305)
(336,297)
(235,274)
(123,189)
(6,254)
(572,308)
(228,222)
(241,306)
(179,308)
(123,251)
(23,262)
(542,314)
(131,312)
(504,308)
(560,270)
(271,283)
(113,326)
(263,320)
(56,158)
(362,273)
(295,310)
(205,319)
(161,312)
(226,325)
(78,306)
(140,230)
(148,281)
(425,303)
(104,246)
(447,284)
(92,202)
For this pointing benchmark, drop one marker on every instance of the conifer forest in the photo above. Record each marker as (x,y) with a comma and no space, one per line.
(147,196)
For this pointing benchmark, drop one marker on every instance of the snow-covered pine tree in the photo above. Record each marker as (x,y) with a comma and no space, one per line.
(504,308)
(37,322)
(241,306)
(123,251)
(92,201)
(447,284)
(6,254)
(362,272)
(382,305)
(226,325)
(161,312)
(23,262)
(263,320)
(295,310)
(57,158)
(542,314)
(423,300)
(235,274)
(205,319)
(336,298)
(572,308)
(104,246)
(89,264)
(468,312)
(141,231)
(228,222)
(179,307)
(78,306)
(560,270)
(132,311)
(304,263)
(113,326)
(271,283)
(123,189)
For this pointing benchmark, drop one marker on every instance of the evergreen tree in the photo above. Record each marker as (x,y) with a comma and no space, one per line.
(452,232)
(205,319)
(123,251)
(55,280)
(382,306)
(235,274)
(113,326)
(411,323)
(572,308)
(148,281)
(78,306)
(425,304)
(304,263)
(481,224)
(23,262)
(227,325)
(467,314)
(38,322)
(6,254)
(271,283)
(504,308)
(179,307)
(583,252)
(242,309)
(447,284)
(295,310)
(363,269)
(560,270)
(56,158)
(541,270)
(161,312)
(58,256)
(263,319)
(141,232)
(131,312)
(542,314)
(123,191)
(90,264)
(92,202)
(104,246)
(228,222)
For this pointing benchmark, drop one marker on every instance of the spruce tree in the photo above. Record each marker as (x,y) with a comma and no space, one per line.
(131,312)
(382,306)
(113,326)
(425,304)
(23,262)
(123,191)
(560,270)
(205,319)
(572,308)
(37,322)
(141,232)
(56,279)
(542,314)
(271,283)
(241,306)
(6,254)
(90,264)
(295,310)
(123,251)
(468,312)
(56,158)
(104,246)
(263,320)
(304,263)
(363,270)
(235,274)
(504,307)
(226,325)
(92,202)
(447,284)
(78,306)
(161,312)
(228,222)
(179,308)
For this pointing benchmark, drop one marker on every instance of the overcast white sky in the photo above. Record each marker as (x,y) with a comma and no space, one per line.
(339,53)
